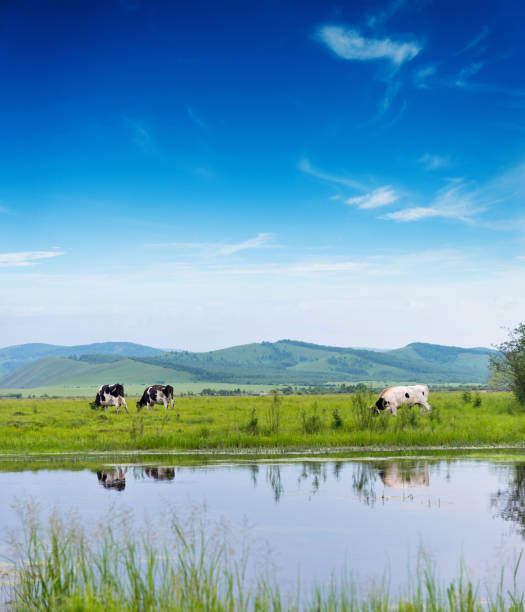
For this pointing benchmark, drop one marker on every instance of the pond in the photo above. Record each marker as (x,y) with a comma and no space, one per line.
(306,516)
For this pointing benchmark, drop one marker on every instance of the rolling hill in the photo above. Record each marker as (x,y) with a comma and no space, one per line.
(282,362)
(13,357)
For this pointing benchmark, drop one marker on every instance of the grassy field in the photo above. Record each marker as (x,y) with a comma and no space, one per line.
(133,390)
(277,422)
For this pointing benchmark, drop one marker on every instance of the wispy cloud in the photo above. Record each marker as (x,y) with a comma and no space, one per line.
(196,119)
(385,103)
(423,75)
(142,138)
(349,44)
(260,241)
(463,76)
(381,17)
(385,265)
(379,197)
(475,41)
(434,162)
(457,201)
(305,166)
(25,258)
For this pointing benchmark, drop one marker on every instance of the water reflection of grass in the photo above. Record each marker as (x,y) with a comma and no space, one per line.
(59,567)
(38,425)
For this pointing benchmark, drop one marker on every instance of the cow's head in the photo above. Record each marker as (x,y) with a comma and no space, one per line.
(97,399)
(380,405)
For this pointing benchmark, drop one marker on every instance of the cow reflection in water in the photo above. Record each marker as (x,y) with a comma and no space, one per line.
(397,476)
(160,473)
(113,479)
(394,475)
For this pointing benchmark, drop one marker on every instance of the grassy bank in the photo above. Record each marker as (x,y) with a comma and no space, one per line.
(282,422)
(58,567)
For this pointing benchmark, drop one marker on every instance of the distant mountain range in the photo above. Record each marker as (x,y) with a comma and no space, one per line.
(282,362)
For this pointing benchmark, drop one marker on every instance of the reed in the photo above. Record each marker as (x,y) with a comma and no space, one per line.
(60,568)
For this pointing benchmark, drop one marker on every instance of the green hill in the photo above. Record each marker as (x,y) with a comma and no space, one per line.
(294,362)
(282,362)
(71,372)
(13,357)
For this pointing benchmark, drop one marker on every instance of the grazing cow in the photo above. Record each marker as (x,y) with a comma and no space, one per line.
(111,395)
(113,479)
(397,477)
(156,394)
(394,397)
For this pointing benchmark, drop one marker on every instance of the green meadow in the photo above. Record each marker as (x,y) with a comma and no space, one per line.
(266,422)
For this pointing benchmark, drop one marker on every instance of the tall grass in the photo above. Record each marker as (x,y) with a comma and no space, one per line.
(60,568)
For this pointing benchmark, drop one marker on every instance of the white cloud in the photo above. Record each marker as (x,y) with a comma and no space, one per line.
(142,138)
(351,45)
(434,162)
(383,300)
(25,258)
(196,119)
(422,75)
(417,213)
(453,202)
(305,166)
(379,197)
(261,241)
(466,72)
(475,41)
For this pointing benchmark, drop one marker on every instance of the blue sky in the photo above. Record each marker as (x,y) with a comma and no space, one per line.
(197,175)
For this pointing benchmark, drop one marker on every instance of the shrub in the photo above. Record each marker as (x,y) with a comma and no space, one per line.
(337,421)
(477,400)
(435,415)
(466,396)
(273,414)
(312,424)
(361,403)
(251,425)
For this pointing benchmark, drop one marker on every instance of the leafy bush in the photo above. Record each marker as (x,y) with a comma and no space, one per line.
(312,423)
(251,425)
(337,421)
(273,414)
(466,396)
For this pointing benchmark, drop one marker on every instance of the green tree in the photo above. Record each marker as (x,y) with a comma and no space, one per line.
(508,366)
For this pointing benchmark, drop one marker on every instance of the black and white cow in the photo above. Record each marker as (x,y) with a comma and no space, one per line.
(394,397)
(156,394)
(111,395)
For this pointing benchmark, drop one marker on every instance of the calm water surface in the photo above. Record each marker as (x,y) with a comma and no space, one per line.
(309,515)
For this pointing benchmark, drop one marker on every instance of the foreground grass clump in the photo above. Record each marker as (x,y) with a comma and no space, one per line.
(293,422)
(60,568)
